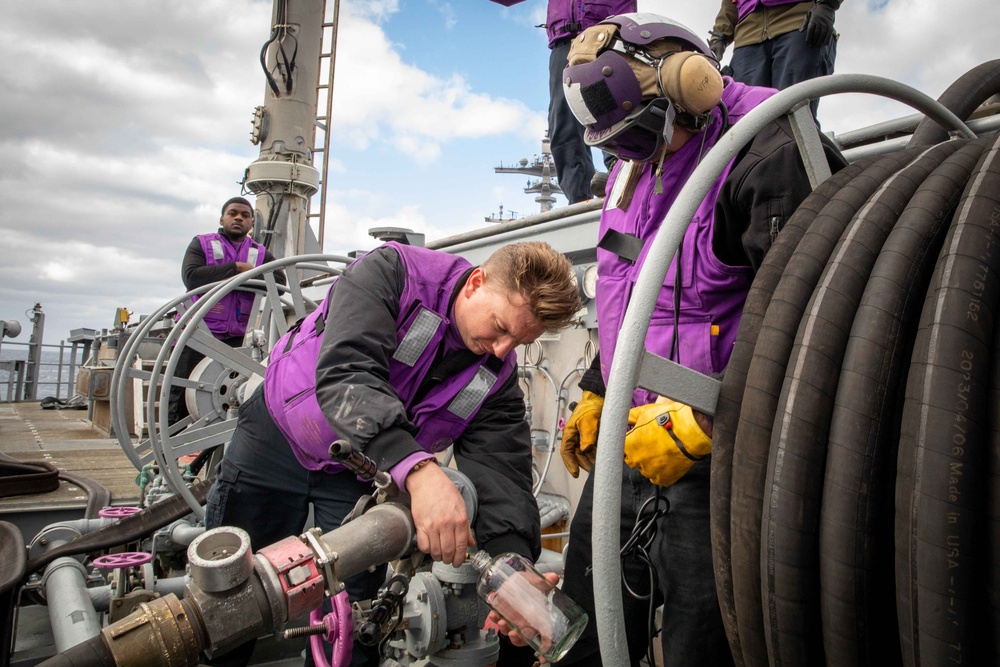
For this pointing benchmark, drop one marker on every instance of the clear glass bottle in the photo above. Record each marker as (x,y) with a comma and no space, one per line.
(541,613)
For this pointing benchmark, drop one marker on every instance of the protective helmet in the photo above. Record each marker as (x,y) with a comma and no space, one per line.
(631,77)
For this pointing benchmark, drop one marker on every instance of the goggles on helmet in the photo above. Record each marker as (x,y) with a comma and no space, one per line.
(623,83)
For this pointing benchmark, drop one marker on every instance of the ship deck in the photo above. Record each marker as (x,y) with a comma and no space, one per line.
(67,440)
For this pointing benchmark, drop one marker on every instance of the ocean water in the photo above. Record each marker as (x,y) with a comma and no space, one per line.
(49,381)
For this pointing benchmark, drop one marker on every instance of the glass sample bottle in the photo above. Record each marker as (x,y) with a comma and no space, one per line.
(541,613)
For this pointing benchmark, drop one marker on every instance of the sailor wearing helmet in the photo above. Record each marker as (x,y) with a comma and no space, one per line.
(648,90)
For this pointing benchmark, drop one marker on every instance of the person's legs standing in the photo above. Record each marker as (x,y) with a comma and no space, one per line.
(260,487)
(693,633)
(574,161)
(177,405)
(578,582)
(333,497)
(752,64)
(793,61)
(189,358)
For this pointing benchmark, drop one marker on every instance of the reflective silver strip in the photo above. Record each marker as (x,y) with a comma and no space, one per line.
(217,250)
(425,325)
(252,256)
(470,398)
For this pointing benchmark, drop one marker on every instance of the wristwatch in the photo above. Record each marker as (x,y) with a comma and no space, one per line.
(420,464)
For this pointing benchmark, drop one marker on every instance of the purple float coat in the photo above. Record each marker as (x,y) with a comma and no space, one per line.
(744,7)
(712,293)
(439,417)
(568,18)
(230,316)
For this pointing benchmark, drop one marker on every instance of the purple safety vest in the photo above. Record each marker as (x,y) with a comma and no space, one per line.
(440,417)
(744,7)
(568,18)
(230,316)
(712,293)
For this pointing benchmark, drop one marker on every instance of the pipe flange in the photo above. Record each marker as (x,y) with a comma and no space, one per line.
(425,616)
(325,559)
(220,559)
(60,563)
(49,538)
(294,565)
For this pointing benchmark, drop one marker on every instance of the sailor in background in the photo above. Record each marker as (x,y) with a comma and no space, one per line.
(412,351)
(649,90)
(777,43)
(213,257)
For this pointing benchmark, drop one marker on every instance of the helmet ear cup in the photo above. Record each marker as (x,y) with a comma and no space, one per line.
(691,81)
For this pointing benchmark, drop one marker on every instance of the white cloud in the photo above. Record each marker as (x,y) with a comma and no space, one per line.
(400,104)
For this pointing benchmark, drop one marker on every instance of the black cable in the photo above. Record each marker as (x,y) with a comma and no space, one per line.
(200,460)
(675,353)
(288,62)
(373,630)
(278,33)
(639,544)
(725,117)
(272,84)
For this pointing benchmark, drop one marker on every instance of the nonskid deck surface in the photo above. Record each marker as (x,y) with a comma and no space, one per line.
(67,440)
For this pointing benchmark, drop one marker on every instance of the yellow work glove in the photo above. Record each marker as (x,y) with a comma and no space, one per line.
(664,441)
(579,441)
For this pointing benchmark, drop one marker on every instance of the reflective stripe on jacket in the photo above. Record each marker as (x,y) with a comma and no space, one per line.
(230,316)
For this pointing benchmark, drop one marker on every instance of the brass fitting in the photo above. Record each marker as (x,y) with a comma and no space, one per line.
(164,627)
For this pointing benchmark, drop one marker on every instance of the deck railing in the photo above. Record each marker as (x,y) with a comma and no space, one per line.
(57,365)
(42,370)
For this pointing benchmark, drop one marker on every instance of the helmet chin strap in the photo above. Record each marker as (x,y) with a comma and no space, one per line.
(725,117)
(668,135)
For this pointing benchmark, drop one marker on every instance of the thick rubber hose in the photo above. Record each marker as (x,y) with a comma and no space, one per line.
(939,484)
(12,563)
(764,378)
(993,506)
(731,394)
(24,477)
(92,653)
(789,563)
(856,553)
(962,98)
(98,495)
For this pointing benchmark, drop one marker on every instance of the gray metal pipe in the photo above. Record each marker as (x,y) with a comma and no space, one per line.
(100,596)
(632,336)
(183,533)
(171,585)
(71,612)
(450,242)
(878,131)
(380,535)
(981,126)
(81,526)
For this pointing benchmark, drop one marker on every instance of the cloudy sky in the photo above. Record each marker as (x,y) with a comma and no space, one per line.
(124,124)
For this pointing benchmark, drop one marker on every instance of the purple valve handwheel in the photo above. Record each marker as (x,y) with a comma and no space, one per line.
(117,512)
(124,559)
(339,633)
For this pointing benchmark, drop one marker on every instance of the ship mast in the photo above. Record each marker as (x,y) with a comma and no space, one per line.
(284,177)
